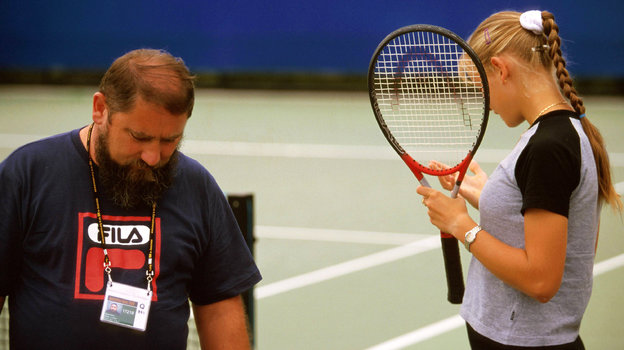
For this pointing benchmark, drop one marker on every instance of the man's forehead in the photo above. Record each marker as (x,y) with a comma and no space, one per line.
(149,120)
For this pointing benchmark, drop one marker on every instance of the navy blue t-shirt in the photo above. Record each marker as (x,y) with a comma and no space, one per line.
(51,255)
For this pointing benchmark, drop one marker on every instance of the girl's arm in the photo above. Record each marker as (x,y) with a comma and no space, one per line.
(536,270)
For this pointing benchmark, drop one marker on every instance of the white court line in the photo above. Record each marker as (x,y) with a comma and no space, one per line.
(292,150)
(322,151)
(619,188)
(421,334)
(287,150)
(341,236)
(415,244)
(328,151)
(616,159)
(608,265)
(456,321)
(351,266)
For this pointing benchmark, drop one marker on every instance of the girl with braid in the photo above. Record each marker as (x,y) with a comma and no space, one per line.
(530,276)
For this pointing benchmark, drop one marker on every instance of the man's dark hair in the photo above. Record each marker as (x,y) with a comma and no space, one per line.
(155,76)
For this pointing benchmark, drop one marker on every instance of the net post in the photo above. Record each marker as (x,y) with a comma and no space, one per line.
(243,209)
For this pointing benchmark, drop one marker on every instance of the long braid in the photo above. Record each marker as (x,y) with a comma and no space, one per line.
(551,30)
(606,190)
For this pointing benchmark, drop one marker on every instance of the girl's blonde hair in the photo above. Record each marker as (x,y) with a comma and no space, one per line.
(502,32)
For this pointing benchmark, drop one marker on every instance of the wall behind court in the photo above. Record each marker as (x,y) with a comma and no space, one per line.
(278,37)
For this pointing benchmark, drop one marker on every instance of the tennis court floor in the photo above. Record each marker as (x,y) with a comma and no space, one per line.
(349,258)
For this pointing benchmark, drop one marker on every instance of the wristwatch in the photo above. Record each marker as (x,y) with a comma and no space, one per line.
(471,236)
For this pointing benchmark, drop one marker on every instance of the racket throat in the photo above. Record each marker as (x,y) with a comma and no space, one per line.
(413,167)
(424,181)
(455,190)
(462,173)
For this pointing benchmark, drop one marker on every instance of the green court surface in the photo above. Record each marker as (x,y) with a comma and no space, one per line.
(349,258)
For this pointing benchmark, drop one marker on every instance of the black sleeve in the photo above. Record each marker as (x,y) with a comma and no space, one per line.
(548,169)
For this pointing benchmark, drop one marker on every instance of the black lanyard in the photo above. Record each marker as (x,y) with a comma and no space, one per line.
(150,262)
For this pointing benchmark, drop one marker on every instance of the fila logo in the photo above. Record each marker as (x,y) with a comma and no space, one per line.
(120,234)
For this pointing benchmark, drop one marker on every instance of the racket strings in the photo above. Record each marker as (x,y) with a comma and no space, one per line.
(430,95)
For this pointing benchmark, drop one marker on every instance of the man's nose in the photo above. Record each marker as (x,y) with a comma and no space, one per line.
(151,154)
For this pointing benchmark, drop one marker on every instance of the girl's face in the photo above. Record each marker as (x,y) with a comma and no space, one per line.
(504,97)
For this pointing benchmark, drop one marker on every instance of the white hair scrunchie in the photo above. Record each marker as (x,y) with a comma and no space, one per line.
(532,20)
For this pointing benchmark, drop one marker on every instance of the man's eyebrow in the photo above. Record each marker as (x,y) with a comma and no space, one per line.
(173,137)
(142,135)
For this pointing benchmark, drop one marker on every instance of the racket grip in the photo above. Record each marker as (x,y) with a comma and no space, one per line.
(452,265)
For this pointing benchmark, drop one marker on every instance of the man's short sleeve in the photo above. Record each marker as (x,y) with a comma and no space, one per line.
(10,247)
(226,268)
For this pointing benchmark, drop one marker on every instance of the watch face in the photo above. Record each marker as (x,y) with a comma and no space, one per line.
(471,237)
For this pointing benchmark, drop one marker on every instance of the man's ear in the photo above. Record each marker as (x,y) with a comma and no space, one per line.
(100,110)
(501,67)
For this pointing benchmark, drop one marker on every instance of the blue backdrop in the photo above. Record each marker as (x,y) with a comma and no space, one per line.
(283,36)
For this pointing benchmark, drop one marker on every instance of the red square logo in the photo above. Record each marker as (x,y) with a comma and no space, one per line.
(127,243)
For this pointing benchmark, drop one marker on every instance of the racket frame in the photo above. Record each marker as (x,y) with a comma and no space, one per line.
(450,246)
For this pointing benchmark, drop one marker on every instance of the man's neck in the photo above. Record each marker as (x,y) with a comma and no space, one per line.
(84,132)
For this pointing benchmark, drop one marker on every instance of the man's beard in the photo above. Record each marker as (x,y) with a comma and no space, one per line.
(133,184)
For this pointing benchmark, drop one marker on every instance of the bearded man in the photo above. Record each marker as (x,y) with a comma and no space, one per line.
(114,212)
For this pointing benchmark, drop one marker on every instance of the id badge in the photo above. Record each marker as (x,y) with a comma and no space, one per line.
(126,306)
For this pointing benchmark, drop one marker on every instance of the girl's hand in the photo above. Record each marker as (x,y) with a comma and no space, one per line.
(448,214)
(471,185)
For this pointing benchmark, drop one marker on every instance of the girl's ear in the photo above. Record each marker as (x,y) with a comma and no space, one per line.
(501,67)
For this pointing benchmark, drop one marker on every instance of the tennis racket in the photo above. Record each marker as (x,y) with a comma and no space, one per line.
(430,96)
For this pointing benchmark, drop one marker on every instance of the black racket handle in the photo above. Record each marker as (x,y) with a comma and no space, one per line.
(452,265)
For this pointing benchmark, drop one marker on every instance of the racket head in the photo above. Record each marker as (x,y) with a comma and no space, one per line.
(430,96)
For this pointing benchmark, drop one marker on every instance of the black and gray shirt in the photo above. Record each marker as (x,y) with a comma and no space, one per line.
(551,167)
